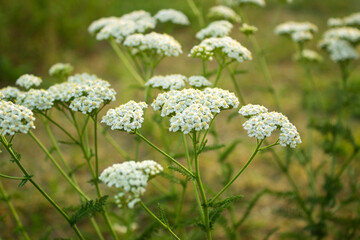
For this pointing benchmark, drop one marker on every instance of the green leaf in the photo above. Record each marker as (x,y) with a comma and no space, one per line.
(89,208)
(162,215)
(220,206)
(181,171)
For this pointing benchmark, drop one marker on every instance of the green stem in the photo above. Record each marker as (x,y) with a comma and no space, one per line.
(164,153)
(180,205)
(54,142)
(219,71)
(45,195)
(239,173)
(236,85)
(96,147)
(13,178)
(13,212)
(94,174)
(61,128)
(197,198)
(299,199)
(197,12)
(204,68)
(205,204)
(56,146)
(58,167)
(114,143)
(126,62)
(158,220)
(265,69)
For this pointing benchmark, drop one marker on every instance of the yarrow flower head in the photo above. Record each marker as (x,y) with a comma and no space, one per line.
(298,31)
(353,20)
(260,3)
(27,81)
(219,28)
(309,56)
(61,70)
(173,16)
(127,117)
(262,124)
(350,34)
(161,44)
(198,82)
(226,46)
(10,94)
(118,30)
(196,117)
(36,99)
(168,82)
(223,12)
(83,92)
(248,29)
(191,109)
(131,178)
(339,50)
(121,27)
(15,118)
(251,110)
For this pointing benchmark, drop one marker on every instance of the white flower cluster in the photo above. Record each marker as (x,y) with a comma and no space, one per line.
(260,3)
(248,29)
(349,34)
(251,110)
(176,101)
(309,56)
(83,92)
(27,81)
(301,36)
(66,91)
(226,46)
(198,81)
(352,20)
(223,12)
(219,28)
(172,15)
(196,117)
(339,50)
(263,124)
(97,95)
(121,27)
(36,99)
(15,118)
(60,69)
(88,80)
(131,179)
(191,109)
(171,82)
(10,93)
(298,31)
(177,82)
(158,43)
(127,117)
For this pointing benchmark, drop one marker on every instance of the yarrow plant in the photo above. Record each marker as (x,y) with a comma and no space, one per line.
(131,178)
(192,121)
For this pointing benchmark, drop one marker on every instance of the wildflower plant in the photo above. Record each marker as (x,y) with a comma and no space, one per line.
(182,126)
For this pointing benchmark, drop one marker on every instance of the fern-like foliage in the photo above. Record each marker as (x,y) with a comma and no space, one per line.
(88,208)
(220,206)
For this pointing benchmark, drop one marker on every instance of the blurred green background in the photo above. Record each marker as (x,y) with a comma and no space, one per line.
(35,34)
